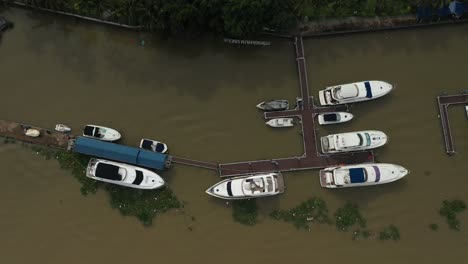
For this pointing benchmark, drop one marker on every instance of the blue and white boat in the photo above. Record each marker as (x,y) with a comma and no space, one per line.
(361,175)
(354,92)
(353,141)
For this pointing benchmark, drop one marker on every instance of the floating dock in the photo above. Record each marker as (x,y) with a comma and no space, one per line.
(444,101)
(306,111)
(48,138)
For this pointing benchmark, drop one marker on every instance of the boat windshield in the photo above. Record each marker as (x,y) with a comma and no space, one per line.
(361,140)
(270,184)
(159,147)
(368,139)
(138,178)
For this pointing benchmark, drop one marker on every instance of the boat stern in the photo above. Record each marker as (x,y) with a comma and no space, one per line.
(326,178)
(280,186)
(322,97)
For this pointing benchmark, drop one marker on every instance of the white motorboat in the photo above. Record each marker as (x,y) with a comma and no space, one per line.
(245,187)
(62,128)
(354,92)
(353,141)
(280,122)
(101,133)
(466,109)
(31,132)
(274,105)
(334,118)
(153,145)
(123,174)
(361,175)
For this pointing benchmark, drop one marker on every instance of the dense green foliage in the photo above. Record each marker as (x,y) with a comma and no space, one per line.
(310,211)
(390,232)
(233,17)
(245,211)
(143,204)
(349,216)
(450,209)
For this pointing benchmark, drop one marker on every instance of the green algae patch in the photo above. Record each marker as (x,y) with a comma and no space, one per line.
(450,209)
(142,204)
(310,211)
(349,216)
(389,233)
(434,227)
(77,164)
(245,212)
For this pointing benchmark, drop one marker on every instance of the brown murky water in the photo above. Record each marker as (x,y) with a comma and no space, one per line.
(198,95)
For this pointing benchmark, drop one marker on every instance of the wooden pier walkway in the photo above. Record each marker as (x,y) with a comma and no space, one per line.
(48,138)
(306,111)
(444,102)
(195,163)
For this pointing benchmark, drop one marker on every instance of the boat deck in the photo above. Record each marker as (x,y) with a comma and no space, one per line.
(444,101)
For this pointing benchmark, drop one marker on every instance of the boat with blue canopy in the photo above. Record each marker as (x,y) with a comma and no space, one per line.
(361,175)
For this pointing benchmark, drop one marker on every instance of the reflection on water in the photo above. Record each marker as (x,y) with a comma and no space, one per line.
(199,96)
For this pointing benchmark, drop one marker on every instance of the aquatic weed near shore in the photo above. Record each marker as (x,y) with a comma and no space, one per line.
(390,232)
(450,209)
(142,204)
(245,211)
(310,211)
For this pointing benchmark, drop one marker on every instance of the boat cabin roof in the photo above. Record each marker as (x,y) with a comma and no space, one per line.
(357,175)
(147,144)
(352,90)
(330,117)
(108,171)
(88,130)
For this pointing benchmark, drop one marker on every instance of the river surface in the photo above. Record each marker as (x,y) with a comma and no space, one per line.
(198,95)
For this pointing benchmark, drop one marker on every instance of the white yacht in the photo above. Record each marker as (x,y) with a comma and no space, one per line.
(280,122)
(101,133)
(354,92)
(334,118)
(361,175)
(353,141)
(123,174)
(245,187)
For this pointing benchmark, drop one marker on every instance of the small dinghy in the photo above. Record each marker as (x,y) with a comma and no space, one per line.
(153,145)
(334,118)
(101,133)
(466,109)
(274,105)
(62,128)
(251,186)
(361,175)
(280,122)
(31,132)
